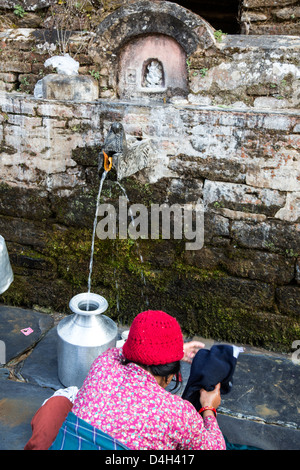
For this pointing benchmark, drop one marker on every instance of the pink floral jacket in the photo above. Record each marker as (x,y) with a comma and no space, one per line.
(126,402)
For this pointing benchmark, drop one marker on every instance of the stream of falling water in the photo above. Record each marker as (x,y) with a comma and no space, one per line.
(94,233)
(104,174)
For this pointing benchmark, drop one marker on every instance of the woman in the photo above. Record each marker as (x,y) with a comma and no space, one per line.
(124,394)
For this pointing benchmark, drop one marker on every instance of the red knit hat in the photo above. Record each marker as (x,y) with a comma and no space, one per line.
(154,338)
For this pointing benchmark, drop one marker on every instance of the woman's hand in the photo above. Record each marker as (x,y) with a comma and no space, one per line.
(212,398)
(190,349)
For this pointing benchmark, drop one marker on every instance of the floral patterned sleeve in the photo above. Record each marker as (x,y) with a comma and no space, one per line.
(201,434)
(214,434)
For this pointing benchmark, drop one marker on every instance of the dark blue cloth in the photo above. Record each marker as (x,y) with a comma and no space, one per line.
(77,434)
(210,367)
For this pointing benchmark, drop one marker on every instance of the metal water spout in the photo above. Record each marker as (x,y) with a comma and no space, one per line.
(6,273)
(114,146)
(82,337)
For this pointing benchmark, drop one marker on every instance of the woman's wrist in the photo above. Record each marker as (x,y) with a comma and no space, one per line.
(208,411)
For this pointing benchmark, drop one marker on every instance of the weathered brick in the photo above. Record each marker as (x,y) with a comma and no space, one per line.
(24,231)
(272,236)
(279,171)
(276,29)
(30,203)
(242,197)
(252,264)
(21,120)
(288,298)
(9,87)
(279,123)
(20,67)
(267,3)
(288,13)
(8,77)
(16,104)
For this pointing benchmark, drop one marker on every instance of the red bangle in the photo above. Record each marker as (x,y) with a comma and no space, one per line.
(208,408)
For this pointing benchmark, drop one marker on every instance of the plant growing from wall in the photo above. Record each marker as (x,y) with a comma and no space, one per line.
(219,35)
(19,11)
(95,74)
(67,16)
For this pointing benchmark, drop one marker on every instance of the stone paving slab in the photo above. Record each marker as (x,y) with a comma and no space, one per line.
(40,368)
(258,434)
(263,407)
(266,387)
(18,403)
(12,321)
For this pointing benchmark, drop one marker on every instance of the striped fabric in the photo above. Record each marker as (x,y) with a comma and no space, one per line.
(77,434)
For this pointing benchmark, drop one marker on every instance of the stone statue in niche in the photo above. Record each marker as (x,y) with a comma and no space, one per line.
(153,75)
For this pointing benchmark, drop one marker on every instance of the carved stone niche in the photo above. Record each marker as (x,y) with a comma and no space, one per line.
(152,66)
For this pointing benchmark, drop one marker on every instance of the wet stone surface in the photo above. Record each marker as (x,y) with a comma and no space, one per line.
(12,321)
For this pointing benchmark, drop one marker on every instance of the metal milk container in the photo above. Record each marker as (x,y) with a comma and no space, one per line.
(6,273)
(82,337)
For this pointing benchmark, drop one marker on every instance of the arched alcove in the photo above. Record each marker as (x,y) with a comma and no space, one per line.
(138,32)
(146,17)
(151,66)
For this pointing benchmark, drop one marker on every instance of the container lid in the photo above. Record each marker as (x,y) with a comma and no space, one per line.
(88,303)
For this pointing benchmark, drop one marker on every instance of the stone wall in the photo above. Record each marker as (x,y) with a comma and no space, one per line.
(257,72)
(242,286)
(254,16)
(269,17)
(228,138)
